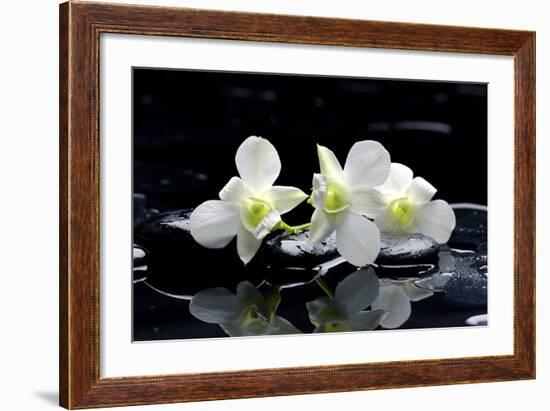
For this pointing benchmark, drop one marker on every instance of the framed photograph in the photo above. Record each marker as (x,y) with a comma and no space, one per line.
(259,205)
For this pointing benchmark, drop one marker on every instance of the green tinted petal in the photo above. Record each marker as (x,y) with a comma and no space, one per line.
(323,310)
(272,300)
(282,326)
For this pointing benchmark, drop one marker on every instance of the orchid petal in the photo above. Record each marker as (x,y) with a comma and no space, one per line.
(247,245)
(393,299)
(416,293)
(258,163)
(234,191)
(436,219)
(215,305)
(320,187)
(367,164)
(387,224)
(248,295)
(421,191)
(322,225)
(366,320)
(322,311)
(357,291)
(282,326)
(399,180)
(357,239)
(368,201)
(328,163)
(214,223)
(283,198)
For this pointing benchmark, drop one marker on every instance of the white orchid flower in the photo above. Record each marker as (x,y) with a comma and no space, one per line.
(249,206)
(404,206)
(343,197)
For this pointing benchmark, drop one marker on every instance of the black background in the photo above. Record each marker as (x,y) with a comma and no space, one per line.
(189,124)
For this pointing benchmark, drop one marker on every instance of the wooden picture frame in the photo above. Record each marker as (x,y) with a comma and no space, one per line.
(81,24)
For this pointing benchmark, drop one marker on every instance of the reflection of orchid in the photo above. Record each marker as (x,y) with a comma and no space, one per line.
(342,197)
(249,206)
(395,298)
(403,205)
(246,313)
(343,311)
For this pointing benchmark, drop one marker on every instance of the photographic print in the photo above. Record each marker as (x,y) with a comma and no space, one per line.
(270,204)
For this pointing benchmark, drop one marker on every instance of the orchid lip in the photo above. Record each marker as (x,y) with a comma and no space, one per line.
(402,210)
(256,210)
(336,198)
(331,197)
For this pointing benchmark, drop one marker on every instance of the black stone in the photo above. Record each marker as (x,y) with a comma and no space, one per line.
(293,250)
(467,285)
(139,255)
(288,258)
(405,270)
(139,263)
(407,248)
(179,265)
(471,230)
(172,227)
(466,260)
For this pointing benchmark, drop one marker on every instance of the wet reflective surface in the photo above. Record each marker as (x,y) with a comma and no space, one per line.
(448,282)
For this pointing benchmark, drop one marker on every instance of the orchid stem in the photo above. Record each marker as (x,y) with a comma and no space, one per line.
(295,230)
(302,227)
(321,283)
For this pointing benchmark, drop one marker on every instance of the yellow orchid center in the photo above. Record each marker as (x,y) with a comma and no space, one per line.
(256,211)
(402,210)
(336,198)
